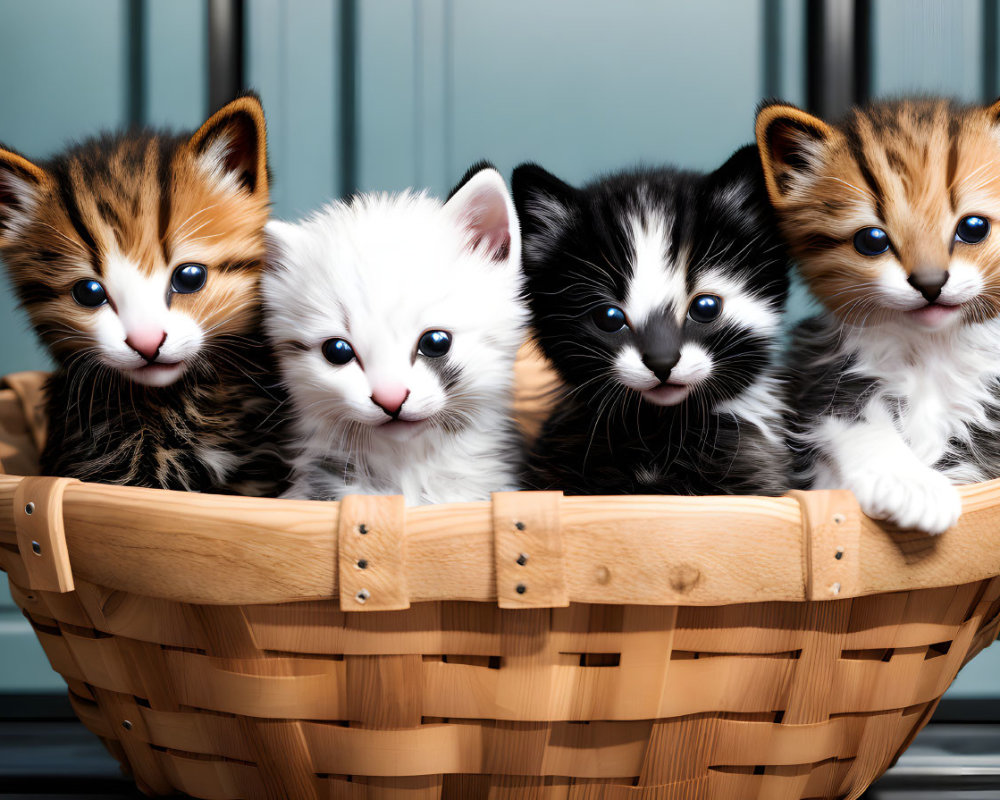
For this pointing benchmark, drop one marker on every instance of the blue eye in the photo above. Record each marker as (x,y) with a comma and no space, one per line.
(972,230)
(609,319)
(871,241)
(188,278)
(705,308)
(338,351)
(434,344)
(89,293)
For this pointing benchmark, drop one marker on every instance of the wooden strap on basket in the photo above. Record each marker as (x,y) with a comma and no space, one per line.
(831,521)
(372,562)
(41,538)
(528,548)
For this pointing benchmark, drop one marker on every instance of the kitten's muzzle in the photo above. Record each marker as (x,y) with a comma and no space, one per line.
(661,363)
(928,281)
(390,399)
(147,343)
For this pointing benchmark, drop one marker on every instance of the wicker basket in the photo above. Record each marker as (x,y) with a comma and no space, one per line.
(532,647)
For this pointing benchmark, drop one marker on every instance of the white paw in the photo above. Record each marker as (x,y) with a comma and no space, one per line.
(922,500)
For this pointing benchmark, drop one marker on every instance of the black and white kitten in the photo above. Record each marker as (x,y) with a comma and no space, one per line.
(657,295)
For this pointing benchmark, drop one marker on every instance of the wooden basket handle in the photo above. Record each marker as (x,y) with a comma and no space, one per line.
(372,561)
(831,523)
(527,536)
(41,535)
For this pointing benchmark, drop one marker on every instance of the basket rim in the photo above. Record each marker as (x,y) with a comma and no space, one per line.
(632,550)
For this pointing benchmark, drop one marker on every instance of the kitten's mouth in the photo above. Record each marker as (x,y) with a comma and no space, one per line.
(667,394)
(934,315)
(158,373)
(401,425)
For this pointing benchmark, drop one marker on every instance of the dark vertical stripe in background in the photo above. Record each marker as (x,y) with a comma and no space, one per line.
(991,61)
(838,55)
(347,64)
(225,51)
(135,81)
(772,49)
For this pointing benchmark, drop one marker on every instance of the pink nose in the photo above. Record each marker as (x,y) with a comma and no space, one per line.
(146,342)
(390,398)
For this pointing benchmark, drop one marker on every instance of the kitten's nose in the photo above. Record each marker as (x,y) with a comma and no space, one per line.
(390,398)
(147,342)
(928,282)
(661,363)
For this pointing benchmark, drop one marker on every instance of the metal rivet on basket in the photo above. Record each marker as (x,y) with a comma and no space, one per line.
(835,588)
(522,559)
(362,529)
(36,548)
(838,519)
(362,563)
(519,525)
(521,588)
(127,725)
(29,509)
(362,596)
(839,554)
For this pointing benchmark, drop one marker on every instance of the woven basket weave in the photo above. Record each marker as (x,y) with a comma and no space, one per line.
(534,647)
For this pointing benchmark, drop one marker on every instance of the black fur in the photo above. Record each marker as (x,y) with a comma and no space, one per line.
(604,438)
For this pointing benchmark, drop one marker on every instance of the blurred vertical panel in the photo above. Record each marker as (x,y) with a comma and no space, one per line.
(389,81)
(175,62)
(584,88)
(927,46)
(291,59)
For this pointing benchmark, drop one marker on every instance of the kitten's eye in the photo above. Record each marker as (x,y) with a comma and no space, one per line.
(871,241)
(610,319)
(972,230)
(705,308)
(89,293)
(338,351)
(188,278)
(434,344)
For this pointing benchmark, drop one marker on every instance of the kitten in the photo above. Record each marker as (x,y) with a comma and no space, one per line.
(396,320)
(888,214)
(137,257)
(657,295)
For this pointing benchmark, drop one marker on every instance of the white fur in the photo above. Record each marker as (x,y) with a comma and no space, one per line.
(934,387)
(655,283)
(379,273)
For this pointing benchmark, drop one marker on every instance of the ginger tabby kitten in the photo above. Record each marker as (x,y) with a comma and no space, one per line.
(137,257)
(889,214)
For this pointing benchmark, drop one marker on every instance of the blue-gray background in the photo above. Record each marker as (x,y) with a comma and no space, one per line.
(580,86)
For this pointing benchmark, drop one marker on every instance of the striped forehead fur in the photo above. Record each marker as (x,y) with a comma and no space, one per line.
(146,202)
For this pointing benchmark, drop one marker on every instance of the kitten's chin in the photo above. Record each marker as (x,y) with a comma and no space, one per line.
(666,394)
(935,316)
(156,375)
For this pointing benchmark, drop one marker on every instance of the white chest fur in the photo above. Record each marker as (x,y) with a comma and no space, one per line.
(937,385)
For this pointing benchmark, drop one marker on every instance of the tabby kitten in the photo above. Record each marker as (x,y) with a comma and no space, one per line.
(897,383)
(397,320)
(137,257)
(657,295)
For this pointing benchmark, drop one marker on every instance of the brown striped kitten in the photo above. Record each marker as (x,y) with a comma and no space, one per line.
(137,257)
(889,216)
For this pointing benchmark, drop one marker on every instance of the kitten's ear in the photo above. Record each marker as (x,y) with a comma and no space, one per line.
(20,185)
(544,205)
(281,240)
(790,143)
(232,145)
(480,204)
(994,111)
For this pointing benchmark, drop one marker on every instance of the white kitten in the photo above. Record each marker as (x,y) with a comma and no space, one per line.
(397,320)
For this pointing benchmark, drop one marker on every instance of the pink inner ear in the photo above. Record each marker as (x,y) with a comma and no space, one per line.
(488,224)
